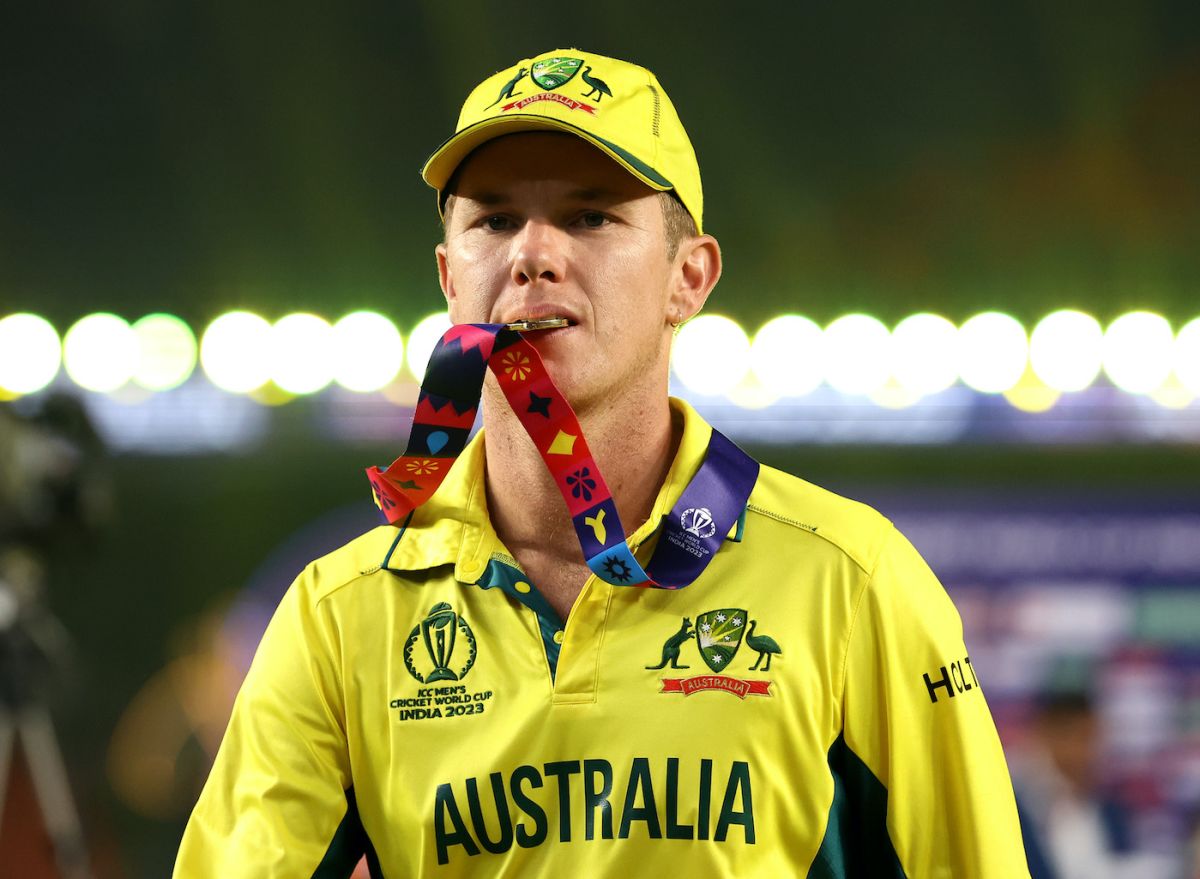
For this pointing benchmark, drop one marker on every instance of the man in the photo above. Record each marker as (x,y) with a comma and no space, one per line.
(1073,828)
(755,678)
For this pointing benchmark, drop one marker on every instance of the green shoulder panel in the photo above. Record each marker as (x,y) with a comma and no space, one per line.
(350,844)
(856,842)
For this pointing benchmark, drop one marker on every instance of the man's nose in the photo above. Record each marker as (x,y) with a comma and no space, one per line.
(539,253)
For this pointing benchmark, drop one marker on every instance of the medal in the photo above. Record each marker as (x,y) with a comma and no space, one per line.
(548,323)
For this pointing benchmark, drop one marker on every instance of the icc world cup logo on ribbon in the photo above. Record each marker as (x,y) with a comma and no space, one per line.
(449,646)
(698,521)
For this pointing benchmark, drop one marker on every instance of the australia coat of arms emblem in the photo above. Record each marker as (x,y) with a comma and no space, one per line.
(719,634)
(550,73)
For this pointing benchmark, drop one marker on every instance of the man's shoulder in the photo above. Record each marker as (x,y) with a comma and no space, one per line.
(361,557)
(855,528)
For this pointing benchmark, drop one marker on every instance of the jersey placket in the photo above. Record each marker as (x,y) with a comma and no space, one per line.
(501,573)
(572,649)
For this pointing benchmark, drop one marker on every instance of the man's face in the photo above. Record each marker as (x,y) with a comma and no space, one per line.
(546,225)
(1073,742)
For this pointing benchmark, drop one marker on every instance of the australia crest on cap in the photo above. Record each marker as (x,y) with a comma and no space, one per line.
(550,73)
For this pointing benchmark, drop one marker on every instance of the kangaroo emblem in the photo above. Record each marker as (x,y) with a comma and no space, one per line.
(670,651)
(507,91)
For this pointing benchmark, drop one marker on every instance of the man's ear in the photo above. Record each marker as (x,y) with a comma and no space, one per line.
(697,268)
(445,279)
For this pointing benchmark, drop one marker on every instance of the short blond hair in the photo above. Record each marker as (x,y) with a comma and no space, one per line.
(678,223)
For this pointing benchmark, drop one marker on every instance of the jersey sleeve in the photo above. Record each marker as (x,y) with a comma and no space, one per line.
(278,801)
(919,765)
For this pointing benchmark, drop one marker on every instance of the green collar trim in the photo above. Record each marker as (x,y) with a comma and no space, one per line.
(501,575)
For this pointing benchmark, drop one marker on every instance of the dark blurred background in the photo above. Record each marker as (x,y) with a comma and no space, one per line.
(209,155)
(200,157)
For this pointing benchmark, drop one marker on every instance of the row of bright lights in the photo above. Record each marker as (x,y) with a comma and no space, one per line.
(789,356)
(240,352)
(924,354)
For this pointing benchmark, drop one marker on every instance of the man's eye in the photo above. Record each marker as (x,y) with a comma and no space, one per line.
(497,223)
(593,219)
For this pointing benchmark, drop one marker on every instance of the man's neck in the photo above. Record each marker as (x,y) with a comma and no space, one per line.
(633,448)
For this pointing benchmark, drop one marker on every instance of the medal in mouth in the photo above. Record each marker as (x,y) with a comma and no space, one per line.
(545,323)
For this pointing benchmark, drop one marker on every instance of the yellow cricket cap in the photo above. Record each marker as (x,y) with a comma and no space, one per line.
(617,106)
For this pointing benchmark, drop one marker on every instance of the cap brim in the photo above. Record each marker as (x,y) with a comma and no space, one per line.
(441,165)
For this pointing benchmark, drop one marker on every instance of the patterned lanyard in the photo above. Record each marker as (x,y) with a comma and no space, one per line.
(446,407)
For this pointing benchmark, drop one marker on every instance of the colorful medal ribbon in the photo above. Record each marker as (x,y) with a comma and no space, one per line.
(446,407)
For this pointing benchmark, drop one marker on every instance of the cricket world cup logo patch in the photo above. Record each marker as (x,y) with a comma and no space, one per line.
(447,646)
(719,634)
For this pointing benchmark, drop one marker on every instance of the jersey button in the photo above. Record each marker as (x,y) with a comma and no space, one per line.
(521,586)
(558,637)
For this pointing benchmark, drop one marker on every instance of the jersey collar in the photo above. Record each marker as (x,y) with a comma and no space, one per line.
(453,526)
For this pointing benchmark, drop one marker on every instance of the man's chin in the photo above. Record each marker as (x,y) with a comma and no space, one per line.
(561,351)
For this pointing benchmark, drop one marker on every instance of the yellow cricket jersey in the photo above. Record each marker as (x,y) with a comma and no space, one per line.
(805,708)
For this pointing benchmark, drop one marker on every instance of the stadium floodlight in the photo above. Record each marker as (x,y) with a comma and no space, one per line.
(1137,351)
(788,354)
(301,355)
(367,351)
(100,352)
(423,339)
(1066,350)
(234,352)
(894,396)
(711,354)
(1186,356)
(30,353)
(856,354)
(751,394)
(166,352)
(1031,394)
(993,350)
(925,354)
(1172,394)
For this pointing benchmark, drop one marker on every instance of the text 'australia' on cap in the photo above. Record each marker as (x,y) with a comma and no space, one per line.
(617,106)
